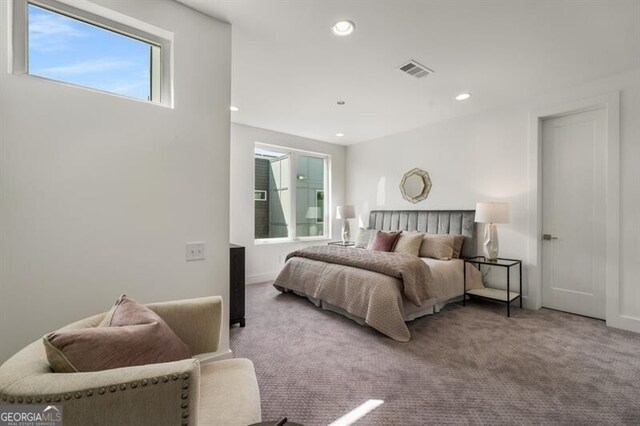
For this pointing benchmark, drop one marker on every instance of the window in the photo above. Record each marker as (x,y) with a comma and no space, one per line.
(294,183)
(82,48)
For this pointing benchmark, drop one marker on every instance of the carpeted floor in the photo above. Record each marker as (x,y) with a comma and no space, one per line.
(465,365)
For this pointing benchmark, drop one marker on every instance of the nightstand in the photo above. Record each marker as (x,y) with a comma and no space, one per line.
(341,244)
(495,294)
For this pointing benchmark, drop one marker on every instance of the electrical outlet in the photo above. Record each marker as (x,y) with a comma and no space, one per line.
(281,260)
(195,251)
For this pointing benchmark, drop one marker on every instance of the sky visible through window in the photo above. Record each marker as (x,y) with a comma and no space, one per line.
(65,49)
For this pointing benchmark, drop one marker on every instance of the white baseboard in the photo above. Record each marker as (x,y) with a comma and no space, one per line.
(625,322)
(529,303)
(260,278)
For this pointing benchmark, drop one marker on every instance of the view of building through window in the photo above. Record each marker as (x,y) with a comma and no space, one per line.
(72,51)
(280,177)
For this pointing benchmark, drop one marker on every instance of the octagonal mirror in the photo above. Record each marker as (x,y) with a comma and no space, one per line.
(415,185)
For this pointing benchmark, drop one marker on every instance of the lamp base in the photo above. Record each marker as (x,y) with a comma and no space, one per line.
(490,244)
(345,231)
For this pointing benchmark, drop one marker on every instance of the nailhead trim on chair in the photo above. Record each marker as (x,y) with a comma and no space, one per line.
(184,396)
(185,401)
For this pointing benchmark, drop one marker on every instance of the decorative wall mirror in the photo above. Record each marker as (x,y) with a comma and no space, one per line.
(415,185)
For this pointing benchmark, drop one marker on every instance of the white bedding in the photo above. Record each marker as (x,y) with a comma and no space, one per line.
(305,277)
(450,283)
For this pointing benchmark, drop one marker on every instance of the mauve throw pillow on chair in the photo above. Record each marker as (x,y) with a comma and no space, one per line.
(384,241)
(130,334)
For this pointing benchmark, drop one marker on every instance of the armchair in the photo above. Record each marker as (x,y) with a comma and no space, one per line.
(174,393)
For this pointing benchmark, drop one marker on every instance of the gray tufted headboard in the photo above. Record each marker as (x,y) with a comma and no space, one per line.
(431,221)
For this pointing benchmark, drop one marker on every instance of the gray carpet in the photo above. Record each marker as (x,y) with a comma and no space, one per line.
(465,365)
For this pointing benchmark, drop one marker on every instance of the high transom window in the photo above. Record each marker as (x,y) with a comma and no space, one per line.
(56,41)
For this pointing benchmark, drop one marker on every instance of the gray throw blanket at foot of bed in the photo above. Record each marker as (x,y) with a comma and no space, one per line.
(413,272)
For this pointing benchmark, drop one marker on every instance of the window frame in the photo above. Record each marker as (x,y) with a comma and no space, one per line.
(293,189)
(161,42)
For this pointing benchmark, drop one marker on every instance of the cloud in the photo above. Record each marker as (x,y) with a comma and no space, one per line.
(50,32)
(94,66)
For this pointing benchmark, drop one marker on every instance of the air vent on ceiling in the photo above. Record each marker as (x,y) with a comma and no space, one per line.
(415,69)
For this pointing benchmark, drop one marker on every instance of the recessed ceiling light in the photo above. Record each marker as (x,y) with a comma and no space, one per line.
(339,135)
(343,28)
(234,108)
(463,96)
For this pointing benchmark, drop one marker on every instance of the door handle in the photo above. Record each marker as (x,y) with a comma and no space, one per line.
(548,237)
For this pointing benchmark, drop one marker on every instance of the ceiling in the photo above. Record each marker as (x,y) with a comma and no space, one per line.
(289,69)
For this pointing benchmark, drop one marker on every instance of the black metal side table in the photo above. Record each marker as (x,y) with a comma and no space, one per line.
(495,294)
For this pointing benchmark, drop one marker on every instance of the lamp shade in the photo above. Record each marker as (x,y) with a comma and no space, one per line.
(492,212)
(346,212)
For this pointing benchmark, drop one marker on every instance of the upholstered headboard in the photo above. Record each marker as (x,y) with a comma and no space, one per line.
(431,221)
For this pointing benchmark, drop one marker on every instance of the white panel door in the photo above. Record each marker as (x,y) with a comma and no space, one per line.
(574,213)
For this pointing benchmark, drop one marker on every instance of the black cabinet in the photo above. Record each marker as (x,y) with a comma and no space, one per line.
(236,285)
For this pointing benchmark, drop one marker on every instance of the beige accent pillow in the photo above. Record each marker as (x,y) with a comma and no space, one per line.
(408,243)
(458,241)
(130,334)
(437,246)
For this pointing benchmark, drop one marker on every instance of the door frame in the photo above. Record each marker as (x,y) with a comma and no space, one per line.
(611,104)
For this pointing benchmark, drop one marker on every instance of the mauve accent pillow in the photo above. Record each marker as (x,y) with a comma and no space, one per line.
(384,241)
(458,241)
(130,334)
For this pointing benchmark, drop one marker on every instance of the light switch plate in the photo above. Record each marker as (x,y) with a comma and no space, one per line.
(195,251)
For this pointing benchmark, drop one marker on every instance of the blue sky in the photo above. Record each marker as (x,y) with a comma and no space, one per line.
(68,50)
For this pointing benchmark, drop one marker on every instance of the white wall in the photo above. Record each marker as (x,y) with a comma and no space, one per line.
(485,157)
(98,194)
(264,261)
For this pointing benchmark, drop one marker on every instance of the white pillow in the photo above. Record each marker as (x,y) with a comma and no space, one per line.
(365,237)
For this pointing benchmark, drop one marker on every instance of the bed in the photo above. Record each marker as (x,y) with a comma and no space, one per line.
(385,290)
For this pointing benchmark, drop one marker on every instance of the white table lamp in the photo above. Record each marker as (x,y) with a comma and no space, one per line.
(491,213)
(345,213)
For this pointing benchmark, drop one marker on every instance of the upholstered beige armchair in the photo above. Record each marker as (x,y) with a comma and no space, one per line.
(175,393)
